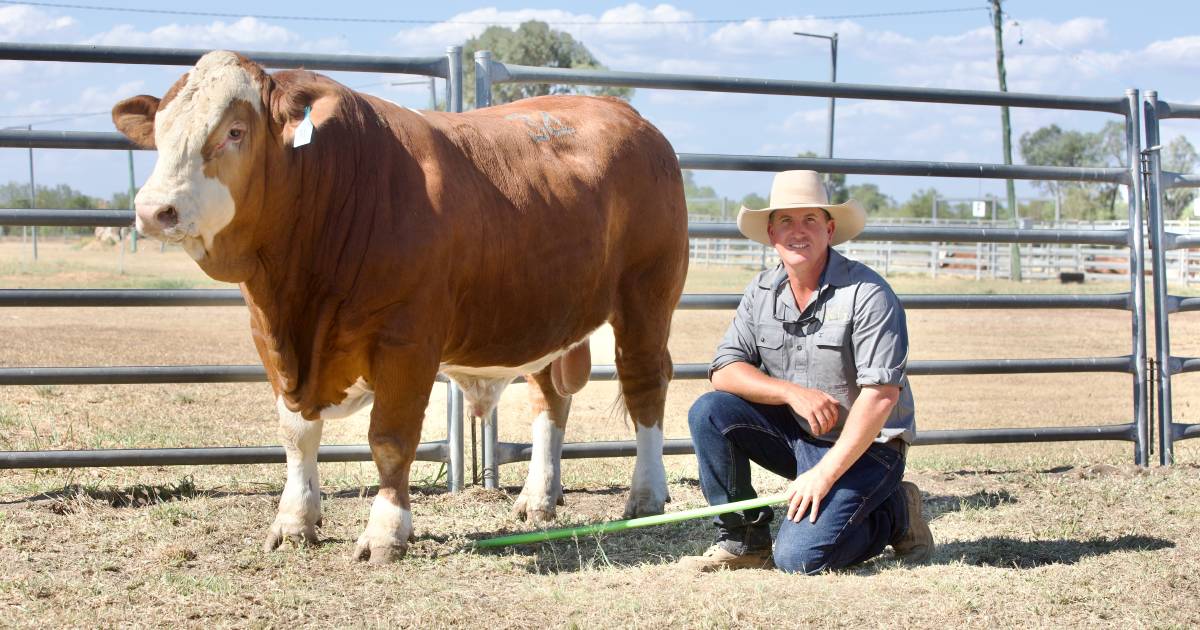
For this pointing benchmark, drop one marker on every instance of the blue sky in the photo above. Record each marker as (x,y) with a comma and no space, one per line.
(1071,47)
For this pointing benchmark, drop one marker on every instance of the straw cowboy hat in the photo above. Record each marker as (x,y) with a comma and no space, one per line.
(802,189)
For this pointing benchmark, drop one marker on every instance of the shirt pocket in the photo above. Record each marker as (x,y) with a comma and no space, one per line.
(831,337)
(830,365)
(770,351)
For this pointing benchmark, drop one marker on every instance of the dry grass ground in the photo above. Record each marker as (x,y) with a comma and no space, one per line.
(1031,535)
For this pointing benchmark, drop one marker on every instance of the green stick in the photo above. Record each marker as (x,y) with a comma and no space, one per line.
(618,526)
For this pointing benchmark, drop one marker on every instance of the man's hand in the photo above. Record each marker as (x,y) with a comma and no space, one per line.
(815,406)
(806,492)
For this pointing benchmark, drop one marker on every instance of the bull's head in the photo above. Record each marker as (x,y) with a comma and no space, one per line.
(221,133)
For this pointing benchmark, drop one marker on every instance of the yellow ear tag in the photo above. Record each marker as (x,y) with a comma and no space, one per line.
(304,130)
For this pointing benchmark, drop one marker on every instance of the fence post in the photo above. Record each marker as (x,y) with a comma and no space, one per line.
(1137,278)
(491,438)
(1150,161)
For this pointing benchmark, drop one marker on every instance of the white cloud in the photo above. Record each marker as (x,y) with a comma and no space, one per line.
(777,38)
(434,39)
(1074,33)
(1182,52)
(25,23)
(246,33)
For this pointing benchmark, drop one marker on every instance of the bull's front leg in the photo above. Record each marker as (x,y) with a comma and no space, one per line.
(401,395)
(300,505)
(543,486)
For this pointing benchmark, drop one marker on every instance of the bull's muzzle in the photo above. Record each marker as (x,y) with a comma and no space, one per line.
(155,219)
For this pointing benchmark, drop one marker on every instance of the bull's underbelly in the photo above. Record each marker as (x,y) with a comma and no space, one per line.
(481,385)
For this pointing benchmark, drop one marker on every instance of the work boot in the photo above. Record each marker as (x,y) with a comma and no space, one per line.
(914,546)
(747,547)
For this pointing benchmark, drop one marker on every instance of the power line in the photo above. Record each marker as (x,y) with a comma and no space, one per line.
(76,114)
(381,20)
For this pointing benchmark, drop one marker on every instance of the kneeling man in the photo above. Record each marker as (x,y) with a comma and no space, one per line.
(810,384)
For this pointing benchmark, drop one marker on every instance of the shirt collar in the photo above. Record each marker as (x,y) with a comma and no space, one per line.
(835,274)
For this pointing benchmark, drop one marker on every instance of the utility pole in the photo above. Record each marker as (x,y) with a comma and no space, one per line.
(833,39)
(1006,133)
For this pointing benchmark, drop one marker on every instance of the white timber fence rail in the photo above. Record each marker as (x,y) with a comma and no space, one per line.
(1158,181)
(489,71)
(448,451)
(980,260)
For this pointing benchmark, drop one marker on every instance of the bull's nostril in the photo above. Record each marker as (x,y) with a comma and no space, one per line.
(167,217)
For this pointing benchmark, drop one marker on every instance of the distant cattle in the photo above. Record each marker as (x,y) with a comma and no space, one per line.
(395,244)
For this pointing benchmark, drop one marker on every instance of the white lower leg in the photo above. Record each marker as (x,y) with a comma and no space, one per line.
(388,526)
(543,486)
(648,491)
(300,503)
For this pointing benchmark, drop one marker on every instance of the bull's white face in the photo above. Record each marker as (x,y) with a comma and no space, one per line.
(184,201)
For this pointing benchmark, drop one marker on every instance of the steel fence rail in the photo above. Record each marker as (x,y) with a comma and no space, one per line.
(948,234)
(160,374)
(513,73)
(689,301)
(428,66)
(1182,305)
(66,218)
(427,451)
(49,139)
(1180,180)
(972,170)
(510,452)
(1177,110)
(121,297)
(696,229)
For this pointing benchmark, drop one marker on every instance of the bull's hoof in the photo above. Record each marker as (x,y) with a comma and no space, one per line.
(535,509)
(645,504)
(378,552)
(296,532)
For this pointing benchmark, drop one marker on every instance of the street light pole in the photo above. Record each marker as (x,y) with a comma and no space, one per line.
(833,40)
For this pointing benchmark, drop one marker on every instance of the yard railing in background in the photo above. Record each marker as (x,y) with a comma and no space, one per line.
(1158,182)
(489,71)
(449,451)
(1130,236)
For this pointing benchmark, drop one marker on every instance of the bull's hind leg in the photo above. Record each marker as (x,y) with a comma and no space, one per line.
(641,327)
(543,485)
(300,505)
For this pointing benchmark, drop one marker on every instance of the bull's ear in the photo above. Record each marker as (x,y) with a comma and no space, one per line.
(134,117)
(298,92)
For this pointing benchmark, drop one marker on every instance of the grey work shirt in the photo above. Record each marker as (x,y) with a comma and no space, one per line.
(851,333)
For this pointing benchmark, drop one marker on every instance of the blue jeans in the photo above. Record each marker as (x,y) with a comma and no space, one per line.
(864,510)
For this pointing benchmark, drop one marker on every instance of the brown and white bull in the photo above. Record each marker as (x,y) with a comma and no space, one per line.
(397,244)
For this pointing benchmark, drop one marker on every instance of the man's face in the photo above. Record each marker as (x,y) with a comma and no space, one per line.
(801,236)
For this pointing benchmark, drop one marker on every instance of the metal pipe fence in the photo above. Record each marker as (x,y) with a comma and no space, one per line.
(489,71)
(1158,182)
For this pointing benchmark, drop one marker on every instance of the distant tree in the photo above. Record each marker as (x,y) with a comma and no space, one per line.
(701,200)
(875,202)
(1053,146)
(533,43)
(920,204)
(755,200)
(1179,156)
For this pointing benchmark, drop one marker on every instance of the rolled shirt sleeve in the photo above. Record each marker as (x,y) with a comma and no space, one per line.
(879,337)
(738,343)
